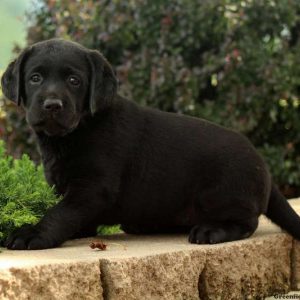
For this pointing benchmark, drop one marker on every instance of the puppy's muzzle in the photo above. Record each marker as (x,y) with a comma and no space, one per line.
(53,105)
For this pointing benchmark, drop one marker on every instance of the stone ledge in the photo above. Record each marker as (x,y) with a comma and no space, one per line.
(156,267)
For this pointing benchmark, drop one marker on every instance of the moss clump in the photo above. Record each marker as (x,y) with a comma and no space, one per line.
(24,193)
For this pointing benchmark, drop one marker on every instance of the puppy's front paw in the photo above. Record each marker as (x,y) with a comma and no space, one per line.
(28,237)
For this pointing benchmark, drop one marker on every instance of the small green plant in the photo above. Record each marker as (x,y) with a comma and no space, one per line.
(24,193)
(106,230)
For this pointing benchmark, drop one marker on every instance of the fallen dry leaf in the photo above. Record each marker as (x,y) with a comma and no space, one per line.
(98,245)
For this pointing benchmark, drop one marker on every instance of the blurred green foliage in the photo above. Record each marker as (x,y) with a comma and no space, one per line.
(234,62)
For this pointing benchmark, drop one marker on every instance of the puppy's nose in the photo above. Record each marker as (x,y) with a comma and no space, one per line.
(53,105)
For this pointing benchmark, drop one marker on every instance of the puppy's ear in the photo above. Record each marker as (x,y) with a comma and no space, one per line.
(11,79)
(103,85)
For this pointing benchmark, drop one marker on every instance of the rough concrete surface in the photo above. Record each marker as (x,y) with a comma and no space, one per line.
(163,276)
(80,280)
(296,265)
(248,269)
(155,267)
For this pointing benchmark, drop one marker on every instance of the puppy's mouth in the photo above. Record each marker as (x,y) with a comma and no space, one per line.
(53,127)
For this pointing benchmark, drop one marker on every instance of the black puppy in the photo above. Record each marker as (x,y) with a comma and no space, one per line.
(116,162)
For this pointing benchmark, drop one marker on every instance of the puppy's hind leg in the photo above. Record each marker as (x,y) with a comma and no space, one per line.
(225,231)
(224,218)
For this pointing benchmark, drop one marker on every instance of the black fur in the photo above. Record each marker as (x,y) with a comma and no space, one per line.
(116,162)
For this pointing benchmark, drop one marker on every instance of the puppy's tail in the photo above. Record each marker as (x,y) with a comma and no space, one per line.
(281,213)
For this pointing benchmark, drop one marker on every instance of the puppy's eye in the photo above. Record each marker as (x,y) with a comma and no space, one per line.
(73,80)
(36,78)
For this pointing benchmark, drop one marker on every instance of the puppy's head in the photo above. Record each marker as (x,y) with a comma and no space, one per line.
(58,82)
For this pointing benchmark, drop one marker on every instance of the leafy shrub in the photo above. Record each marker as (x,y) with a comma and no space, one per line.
(233,62)
(24,193)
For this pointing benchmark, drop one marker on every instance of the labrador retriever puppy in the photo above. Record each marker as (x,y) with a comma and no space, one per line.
(116,162)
